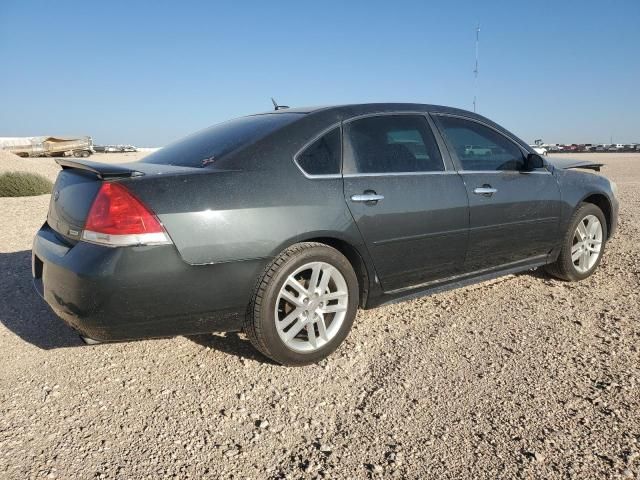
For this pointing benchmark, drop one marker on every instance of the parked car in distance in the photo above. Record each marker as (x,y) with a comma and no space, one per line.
(539,149)
(477,150)
(283,224)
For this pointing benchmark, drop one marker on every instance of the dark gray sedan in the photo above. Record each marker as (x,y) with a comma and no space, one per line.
(282,224)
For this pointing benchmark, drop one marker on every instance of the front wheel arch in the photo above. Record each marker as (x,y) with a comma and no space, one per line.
(601,201)
(563,267)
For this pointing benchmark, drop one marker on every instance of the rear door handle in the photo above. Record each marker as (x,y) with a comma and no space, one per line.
(486,190)
(367,197)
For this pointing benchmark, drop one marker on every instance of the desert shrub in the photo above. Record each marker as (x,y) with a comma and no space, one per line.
(22,184)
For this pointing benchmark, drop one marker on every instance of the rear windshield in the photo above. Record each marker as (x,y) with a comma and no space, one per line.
(207,146)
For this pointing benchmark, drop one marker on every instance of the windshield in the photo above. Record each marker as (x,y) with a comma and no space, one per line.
(207,146)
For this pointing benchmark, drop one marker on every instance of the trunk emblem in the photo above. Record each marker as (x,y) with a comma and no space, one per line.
(56,195)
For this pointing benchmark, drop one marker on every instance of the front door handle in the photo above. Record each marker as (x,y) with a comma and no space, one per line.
(486,190)
(368,196)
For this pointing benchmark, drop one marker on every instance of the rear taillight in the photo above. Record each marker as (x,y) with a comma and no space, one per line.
(117,218)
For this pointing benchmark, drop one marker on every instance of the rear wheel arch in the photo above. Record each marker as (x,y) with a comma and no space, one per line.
(355,259)
(263,323)
(601,201)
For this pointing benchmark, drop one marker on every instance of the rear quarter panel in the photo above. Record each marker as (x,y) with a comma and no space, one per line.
(255,211)
(243,215)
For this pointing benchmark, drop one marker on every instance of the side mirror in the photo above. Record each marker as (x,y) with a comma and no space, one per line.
(532,162)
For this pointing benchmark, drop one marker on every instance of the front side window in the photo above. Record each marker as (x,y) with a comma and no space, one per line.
(392,144)
(322,157)
(480,148)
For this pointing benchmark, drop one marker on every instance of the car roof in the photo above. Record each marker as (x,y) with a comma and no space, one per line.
(355,109)
(333,113)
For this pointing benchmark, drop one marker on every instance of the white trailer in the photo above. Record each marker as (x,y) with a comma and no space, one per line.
(47,146)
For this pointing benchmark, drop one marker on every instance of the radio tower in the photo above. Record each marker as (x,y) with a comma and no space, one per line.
(475,70)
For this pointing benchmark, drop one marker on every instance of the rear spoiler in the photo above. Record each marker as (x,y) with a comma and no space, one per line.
(102,170)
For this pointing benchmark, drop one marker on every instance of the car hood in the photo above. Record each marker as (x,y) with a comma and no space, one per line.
(567,163)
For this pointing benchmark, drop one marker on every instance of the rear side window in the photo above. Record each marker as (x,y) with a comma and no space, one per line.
(322,157)
(392,144)
(479,147)
(209,146)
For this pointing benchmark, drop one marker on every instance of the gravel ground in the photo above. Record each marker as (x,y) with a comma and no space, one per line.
(522,377)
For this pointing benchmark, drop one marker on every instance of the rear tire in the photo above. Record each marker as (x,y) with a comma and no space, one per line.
(304,305)
(577,259)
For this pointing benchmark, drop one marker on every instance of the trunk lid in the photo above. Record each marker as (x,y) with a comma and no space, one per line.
(79,181)
(72,196)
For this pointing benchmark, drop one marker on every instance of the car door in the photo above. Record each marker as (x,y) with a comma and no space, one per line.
(514,214)
(410,207)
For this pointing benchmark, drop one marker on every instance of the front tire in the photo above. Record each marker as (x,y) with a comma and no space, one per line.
(583,245)
(304,305)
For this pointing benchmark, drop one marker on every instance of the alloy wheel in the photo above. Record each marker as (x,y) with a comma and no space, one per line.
(311,306)
(587,243)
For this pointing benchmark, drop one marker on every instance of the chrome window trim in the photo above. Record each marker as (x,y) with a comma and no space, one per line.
(510,172)
(423,114)
(399,174)
(524,151)
(309,143)
(381,114)
(463,117)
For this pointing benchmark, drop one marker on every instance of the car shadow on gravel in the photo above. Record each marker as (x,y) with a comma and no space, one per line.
(539,273)
(23,312)
(232,343)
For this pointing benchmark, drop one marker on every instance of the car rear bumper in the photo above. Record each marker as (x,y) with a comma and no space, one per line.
(112,294)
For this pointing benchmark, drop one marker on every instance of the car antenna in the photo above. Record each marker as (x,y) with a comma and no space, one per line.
(276,106)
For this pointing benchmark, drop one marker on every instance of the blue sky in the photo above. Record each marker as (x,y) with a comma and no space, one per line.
(151,72)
